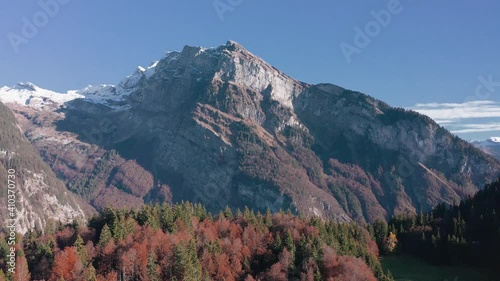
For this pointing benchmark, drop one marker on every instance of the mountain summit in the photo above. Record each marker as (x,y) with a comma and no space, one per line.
(223,127)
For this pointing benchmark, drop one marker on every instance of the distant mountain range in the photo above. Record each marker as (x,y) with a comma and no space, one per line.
(223,127)
(490,146)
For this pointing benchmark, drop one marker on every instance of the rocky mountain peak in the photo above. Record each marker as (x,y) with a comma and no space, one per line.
(227,64)
(233,45)
(198,68)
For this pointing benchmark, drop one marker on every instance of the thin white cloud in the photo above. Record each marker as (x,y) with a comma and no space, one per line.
(464,118)
(477,128)
(453,105)
(454,111)
(445,121)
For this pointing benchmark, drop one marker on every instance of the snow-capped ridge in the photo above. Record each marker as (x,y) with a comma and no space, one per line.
(151,69)
(29,94)
(487,142)
(489,146)
(495,139)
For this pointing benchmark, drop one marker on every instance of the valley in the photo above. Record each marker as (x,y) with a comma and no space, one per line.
(176,149)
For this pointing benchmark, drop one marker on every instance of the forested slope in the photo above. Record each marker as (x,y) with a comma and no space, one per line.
(184,242)
(468,233)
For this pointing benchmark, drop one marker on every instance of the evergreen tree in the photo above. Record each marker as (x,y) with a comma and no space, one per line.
(278,246)
(82,251)
(194,266)
(380,232)
(228,214)
(180,261)
(421,219)
(117,227)
(105,236)
(317,275)
(268,218)
(152,267)
(239,214)
(289,242)
(90,273)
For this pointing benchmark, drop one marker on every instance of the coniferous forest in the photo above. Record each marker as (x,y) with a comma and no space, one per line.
(467,234)
(185,242)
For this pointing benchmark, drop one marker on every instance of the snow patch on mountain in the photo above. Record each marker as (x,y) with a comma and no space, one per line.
(31,95)
(495,139)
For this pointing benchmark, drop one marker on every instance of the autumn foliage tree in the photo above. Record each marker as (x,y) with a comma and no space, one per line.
(67,265)
(22,272)
(390,242)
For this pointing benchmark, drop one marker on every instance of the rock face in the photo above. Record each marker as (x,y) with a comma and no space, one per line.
(99,175)
(39,195)
(223,127)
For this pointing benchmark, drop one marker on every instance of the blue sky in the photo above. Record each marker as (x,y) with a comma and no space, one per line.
(430,54)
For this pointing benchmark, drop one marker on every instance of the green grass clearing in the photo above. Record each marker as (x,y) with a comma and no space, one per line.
(405,268)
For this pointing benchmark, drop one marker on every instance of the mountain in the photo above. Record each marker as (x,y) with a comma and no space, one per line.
(490,146)
(30,183)
(223,127)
